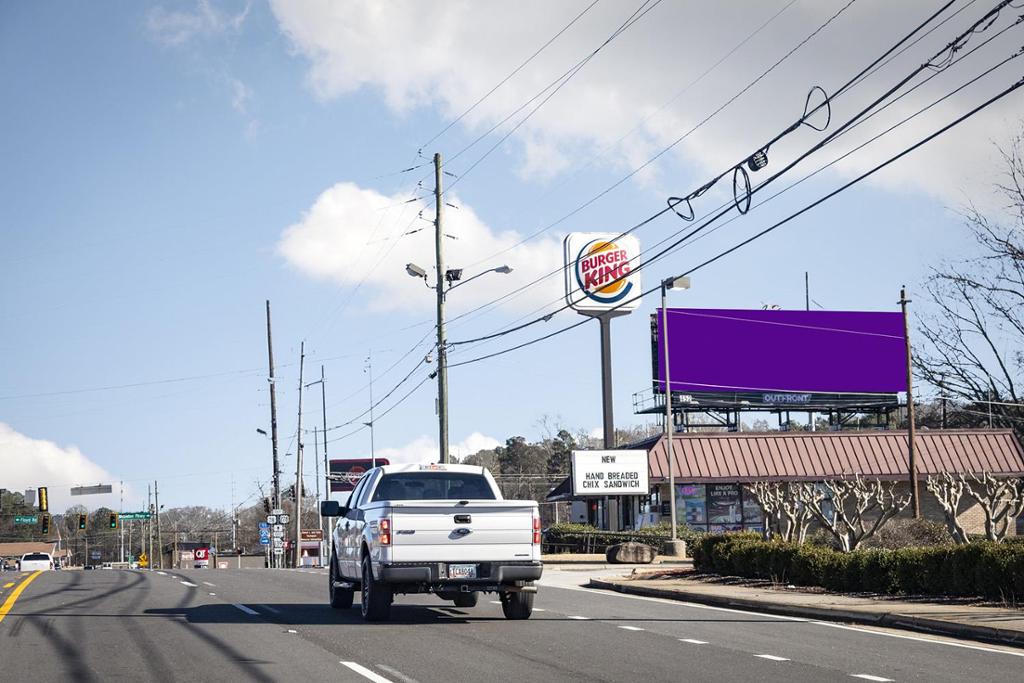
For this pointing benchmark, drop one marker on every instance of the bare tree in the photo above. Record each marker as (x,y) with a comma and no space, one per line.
(1001,500)
(859,507)
(785,517)
(973,346)
(948,490)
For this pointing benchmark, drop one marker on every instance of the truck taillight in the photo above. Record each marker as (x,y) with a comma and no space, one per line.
(536,530)
(385,531)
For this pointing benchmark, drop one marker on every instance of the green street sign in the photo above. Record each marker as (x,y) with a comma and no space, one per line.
(133,516)
(26,519)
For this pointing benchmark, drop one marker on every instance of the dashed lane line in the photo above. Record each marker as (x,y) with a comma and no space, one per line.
(9,602)
(578,618)
(869,677)
(397,674)
(162,573)
(8,585)
(693,641)
(247,610)
(773,658)
(366,673)
(190,585)
(631,628)
(212,585)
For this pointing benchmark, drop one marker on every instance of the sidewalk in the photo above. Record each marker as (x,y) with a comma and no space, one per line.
(1004,626)
(599,559)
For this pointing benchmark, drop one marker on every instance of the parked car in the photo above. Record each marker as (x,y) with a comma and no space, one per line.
(441,529)
(31,562)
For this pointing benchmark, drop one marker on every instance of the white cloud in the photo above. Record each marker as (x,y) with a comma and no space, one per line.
(444,56)
(350,235)
(241,94)
(424,449)
(172,27)
(30,463)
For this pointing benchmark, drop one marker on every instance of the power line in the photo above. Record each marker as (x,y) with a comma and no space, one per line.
(776,225)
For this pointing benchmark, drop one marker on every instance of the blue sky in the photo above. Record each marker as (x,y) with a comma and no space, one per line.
(169,167)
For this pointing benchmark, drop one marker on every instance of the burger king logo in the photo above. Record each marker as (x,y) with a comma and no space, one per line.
(602,270)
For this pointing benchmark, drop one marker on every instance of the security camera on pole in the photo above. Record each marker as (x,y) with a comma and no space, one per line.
(599,282)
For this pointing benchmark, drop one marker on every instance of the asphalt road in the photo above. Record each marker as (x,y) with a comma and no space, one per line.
(275,625)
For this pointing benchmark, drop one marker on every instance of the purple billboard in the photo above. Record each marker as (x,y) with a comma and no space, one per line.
(722,350)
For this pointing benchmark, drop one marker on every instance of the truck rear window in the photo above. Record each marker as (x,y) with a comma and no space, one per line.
(433,486)
(36,556)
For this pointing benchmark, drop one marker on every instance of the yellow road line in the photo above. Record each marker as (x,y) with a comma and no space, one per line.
(8,585)
(9,602)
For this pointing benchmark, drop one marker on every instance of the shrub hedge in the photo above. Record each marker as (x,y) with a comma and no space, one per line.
(583,538)
(985,569)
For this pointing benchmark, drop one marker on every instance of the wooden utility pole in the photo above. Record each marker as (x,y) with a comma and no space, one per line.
(298,464)
(159,542)
(442,354)
(273,421)
(915,494)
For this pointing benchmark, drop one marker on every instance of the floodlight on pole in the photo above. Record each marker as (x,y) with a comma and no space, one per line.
(415,271)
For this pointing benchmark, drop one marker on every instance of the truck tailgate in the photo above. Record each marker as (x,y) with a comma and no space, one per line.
(445,531)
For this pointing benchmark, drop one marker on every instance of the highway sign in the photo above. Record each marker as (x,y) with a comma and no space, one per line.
(134,516)
(271,519)
(278,542)
(91,490)
(26,519)
(277,511)
(279,551)
(277,534)
(278,527)
(264,525)
(264,537)
(283,519)
(95,554)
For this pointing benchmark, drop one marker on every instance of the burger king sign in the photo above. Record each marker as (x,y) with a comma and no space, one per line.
(599,272)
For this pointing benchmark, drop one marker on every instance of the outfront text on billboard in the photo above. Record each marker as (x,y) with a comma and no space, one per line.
(609,473)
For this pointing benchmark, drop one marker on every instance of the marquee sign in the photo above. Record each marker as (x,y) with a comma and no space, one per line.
(603,473)
(599,273)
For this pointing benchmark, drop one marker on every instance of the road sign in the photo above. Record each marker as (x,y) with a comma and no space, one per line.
(277,534)
(277,511)
(91,490)
(278,542)
(264,537)
(201,554)
(95,554)
(26,519)
(134,516)
(283,519)
(264,525)
(279,551)
(312,534)
(278,527)
(271,519)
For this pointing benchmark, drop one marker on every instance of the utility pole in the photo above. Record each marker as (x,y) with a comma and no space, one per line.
(273,420)
(915,496)
(156,504)
(373,450)
(442,353)
(298,464)
(149,527)
(316,478)
(327,482)
(120,523)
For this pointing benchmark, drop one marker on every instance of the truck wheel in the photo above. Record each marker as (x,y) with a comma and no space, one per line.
(466,599)
(341,598)
(517,605)
(376,596)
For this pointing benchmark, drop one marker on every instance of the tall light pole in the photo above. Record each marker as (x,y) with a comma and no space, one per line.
(298,465)
(454,279)
(373,449)
(327,483)
(673,547)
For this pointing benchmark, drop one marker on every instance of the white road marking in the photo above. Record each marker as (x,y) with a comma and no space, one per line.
(773,658)
(209,584)
(631,628)
(397,674)
(245,609)
(212,593)
(693,642)
(291,630)
(869,677)
(162,573)
(366,673)
(272,609)
(816,622)
(579,618)
(191,585)
(535,609)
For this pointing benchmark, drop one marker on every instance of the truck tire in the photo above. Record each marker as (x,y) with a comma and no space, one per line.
(341,598)
(517,605)
(376,596)
(466,599)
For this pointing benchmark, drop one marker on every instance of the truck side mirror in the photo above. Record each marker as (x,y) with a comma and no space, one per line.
(331,508)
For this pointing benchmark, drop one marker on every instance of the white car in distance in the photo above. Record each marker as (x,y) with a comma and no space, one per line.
(441,529)
(31,562)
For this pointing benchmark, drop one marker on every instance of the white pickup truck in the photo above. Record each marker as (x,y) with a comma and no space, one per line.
(440,529)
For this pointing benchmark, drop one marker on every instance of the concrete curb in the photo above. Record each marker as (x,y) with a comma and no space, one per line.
(986,634)
(604,563)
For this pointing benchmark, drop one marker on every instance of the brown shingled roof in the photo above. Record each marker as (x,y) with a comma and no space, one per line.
(19,548)
(814,456)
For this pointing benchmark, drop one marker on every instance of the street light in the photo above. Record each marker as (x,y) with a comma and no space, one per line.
(682,282)
(454,279)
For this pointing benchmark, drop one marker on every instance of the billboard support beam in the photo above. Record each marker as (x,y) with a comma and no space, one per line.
(915,494)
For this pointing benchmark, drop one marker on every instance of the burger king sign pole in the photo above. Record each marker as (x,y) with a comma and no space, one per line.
(599,282)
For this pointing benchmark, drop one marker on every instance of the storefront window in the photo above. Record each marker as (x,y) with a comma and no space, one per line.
(691,506)
(753,519)
(724,507)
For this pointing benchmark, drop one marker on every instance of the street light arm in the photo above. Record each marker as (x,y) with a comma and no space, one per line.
(504,270)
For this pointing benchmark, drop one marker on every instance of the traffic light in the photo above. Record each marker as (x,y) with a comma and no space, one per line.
(44,503)
(266,505)
(113,520)
(82,519)
(46,524)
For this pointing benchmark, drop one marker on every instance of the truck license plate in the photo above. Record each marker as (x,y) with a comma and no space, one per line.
(462,571)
